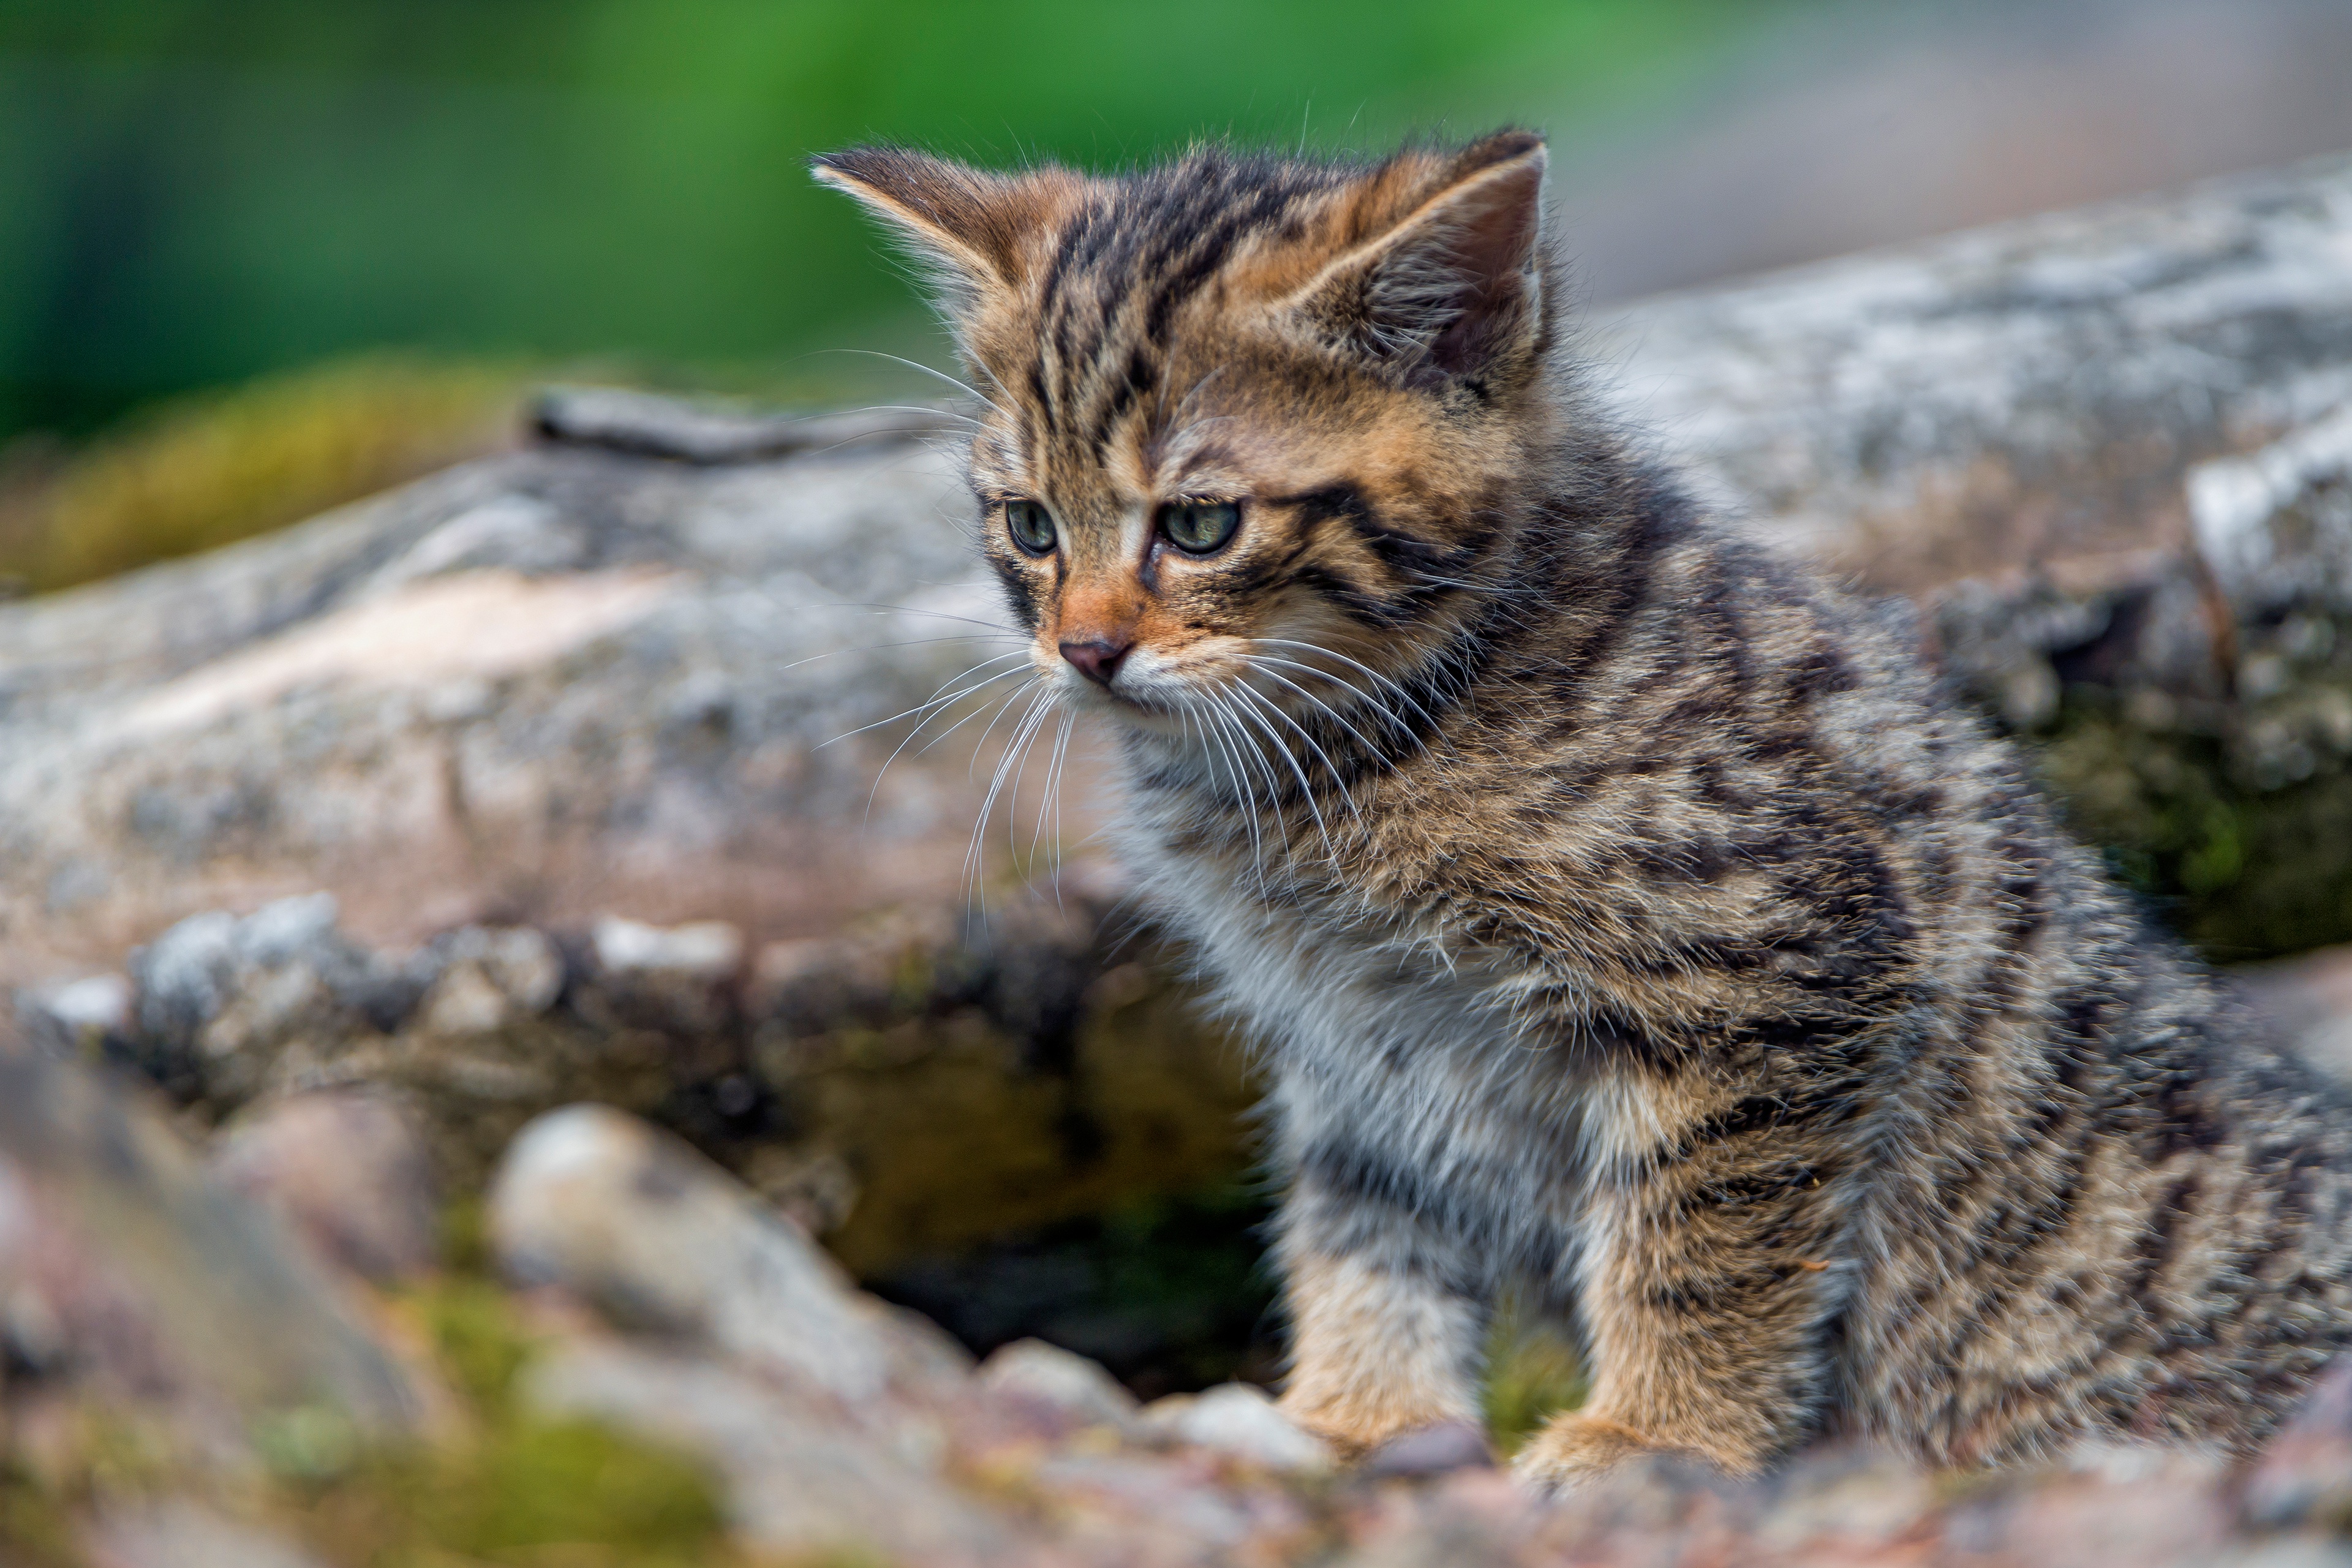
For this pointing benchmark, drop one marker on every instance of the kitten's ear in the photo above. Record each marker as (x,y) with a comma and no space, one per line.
(1453,281)
(976,227)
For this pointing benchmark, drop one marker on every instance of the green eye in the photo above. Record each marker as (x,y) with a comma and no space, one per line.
(1030,524)
(1199,526)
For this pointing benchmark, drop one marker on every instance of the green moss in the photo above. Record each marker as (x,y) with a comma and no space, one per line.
(213,468)
(1533,1372)
(2242,871)
(478,1340)
(525,1489)
(33,1526)
(521,1489)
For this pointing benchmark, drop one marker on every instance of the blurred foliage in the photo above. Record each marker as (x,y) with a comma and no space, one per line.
(211,468)
(194,192)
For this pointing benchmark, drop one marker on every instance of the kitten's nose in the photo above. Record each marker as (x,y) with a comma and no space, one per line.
(1097,657)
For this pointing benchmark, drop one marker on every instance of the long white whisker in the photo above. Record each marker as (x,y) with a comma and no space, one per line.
(1053,773)
(1244,799)
(1388,681)
(1014,750)
(1370,701)
(898,408)
(1308,735)
(934,701)
(969,390)
(980,744)
(1244,716)
(1306,787)
(996,628)
(975,713)
(971,855)
(874,647)
(1336,717)
(871,794)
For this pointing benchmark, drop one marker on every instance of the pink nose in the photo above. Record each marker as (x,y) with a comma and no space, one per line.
(1096,658)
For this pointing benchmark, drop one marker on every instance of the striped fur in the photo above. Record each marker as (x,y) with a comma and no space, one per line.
(1625,916)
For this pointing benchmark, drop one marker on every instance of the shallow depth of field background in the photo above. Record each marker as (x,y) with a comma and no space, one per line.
(258,256)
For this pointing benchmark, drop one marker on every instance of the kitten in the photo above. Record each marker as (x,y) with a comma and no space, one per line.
(1624,914)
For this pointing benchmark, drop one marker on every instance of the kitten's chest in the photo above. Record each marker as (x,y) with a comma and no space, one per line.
(1389,1061)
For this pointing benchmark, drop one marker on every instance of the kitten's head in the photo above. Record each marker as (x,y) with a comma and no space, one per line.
(1247,419)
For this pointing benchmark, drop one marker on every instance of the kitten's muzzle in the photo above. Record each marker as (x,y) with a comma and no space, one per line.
(1097,659)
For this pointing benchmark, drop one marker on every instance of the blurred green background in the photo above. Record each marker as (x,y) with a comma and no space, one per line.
(439,199)
(194,192)
(258,256)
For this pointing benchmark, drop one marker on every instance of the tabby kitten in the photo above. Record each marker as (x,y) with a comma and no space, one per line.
(1625,915)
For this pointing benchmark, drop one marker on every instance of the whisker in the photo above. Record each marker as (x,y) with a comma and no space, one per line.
(1336,717)
(1053,767)
(872,647)
(982,744)
(1053,799)
(1388,681)
(964,387)
(1306,787)
(1245,792)
(997,627)
(876,790)
(968,717)
(1306,790)
(900,408)
(1245,798)
(1367,698)
(934,699)
(1014,750)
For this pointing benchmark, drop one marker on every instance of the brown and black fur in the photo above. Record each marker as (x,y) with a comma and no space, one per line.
(1624,915)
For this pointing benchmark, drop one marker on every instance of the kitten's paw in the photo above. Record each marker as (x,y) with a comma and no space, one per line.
(1436,1449)
(1356,1429)
(1575,1448)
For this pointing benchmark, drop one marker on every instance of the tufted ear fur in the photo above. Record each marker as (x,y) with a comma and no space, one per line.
(1455,282)
(979,231)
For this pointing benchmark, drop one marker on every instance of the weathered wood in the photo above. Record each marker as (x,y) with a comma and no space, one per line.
(2033,392)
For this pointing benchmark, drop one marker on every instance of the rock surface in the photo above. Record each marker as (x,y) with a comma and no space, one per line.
(349,1170)
(668,1307)
(131,1281)
(904,1087)
(633,1220)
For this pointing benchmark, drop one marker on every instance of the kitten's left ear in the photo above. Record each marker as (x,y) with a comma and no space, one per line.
(978,228)
(1454,283)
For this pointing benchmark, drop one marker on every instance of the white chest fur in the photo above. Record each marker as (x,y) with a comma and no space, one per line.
(1390,1058)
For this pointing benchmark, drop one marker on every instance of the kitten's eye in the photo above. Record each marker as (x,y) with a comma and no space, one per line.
(1199,526)
(1032,526)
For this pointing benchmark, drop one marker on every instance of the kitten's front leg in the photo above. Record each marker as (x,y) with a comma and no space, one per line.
(1709,1275)
(1385,1330)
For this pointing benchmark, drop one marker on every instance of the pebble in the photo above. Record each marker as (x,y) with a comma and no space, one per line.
(1239,1420)
(654,1233)
(349,1170)
(1060,1379)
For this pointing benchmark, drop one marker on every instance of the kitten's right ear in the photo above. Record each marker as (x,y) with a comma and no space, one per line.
(977,228)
